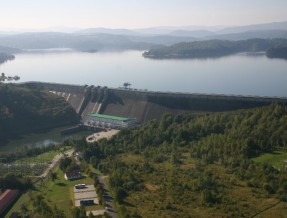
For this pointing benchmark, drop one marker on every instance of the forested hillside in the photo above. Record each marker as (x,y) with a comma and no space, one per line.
(187,165)
(212,48)
(24,110)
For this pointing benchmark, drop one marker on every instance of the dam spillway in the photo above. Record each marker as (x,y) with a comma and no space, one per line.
(147,105)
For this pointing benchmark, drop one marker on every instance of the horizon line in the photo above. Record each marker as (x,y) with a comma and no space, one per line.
(29,29)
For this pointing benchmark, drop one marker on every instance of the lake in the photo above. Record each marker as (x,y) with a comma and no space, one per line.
(243,74)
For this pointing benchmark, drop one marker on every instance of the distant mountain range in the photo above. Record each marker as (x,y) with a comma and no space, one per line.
(107,31)
(191,31)
(141,39)
(256,27)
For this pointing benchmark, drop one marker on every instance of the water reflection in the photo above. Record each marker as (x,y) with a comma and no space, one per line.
(40,139)
(240,74)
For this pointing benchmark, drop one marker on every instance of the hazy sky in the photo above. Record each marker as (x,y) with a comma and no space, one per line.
(138,13)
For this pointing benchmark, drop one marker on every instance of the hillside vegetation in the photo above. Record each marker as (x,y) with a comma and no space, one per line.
(24,110)
(186,165)
(212,48)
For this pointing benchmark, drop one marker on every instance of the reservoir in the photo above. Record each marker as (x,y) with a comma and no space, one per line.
(239,74)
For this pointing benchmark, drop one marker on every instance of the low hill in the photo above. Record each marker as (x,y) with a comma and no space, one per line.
(212,48)
(24,110)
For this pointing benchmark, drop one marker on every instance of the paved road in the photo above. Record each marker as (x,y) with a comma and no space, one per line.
(20,203)
(109,201)
(55,161)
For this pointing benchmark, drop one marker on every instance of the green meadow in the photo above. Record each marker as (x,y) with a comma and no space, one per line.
(277,159)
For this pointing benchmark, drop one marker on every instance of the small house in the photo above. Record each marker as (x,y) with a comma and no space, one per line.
(73,175)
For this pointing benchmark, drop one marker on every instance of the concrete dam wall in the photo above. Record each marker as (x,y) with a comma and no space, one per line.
(146,105)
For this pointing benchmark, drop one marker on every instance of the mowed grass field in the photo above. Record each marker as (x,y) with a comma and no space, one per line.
(277,159)
(61,192)
(47,156)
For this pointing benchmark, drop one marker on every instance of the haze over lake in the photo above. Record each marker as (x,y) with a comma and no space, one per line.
(240,74)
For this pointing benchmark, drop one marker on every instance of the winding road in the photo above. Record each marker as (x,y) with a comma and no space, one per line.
(109,200)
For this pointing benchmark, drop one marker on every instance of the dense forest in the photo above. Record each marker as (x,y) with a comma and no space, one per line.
(277,52)
(24,110)
(196,165)
(213,48)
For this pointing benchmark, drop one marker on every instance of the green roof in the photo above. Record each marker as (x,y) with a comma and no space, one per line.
(108,117)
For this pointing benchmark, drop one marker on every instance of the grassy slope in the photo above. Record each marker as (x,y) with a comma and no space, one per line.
(48,156)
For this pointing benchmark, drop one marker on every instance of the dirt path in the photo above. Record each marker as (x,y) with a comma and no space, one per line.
(99,135)
(268,208)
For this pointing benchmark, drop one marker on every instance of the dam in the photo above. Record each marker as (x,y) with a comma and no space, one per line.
(147,105)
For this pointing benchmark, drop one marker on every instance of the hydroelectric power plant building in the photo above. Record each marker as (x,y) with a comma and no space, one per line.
(108,121)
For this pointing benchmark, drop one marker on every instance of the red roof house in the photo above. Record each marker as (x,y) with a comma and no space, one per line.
(7,198)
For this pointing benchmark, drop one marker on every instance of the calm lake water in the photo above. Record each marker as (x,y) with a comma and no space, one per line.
(242,74)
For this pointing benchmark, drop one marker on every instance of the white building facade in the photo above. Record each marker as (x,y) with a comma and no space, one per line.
(108,121)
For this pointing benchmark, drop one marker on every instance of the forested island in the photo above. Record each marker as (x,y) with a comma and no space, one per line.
(278,52)
(212,48)
(25,110)
(6,57)
(6,54)
(196,165)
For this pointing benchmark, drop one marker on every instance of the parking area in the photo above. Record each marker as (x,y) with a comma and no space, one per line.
(87,188)
(86,192)
(83,195)
(77,202)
